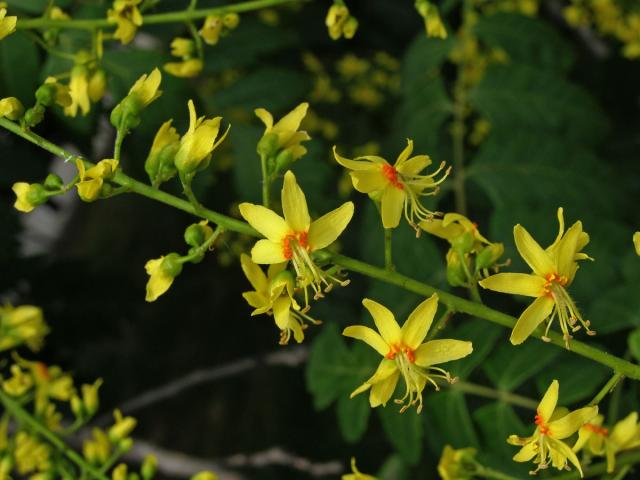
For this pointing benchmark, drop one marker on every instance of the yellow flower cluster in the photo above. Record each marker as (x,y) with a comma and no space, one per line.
(126,15)
(432,20)
(22,325)
(216,26)
(340,22)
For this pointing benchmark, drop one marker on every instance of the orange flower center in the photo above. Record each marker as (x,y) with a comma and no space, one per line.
(553,279)
(596,429)
(401,348)
(544,429)
(42,371)
(287,247)
(391,174)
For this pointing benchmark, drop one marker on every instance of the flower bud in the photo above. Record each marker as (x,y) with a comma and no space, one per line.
(182,47)
(90,397)
(120,472)
(34,115)
(11,108)
(97,85)
(149,467)
(196,234)
(489,255)
(268,145)
(456,275)
(231,20)
(122,428)
(53,182)
(76,406)
(46,94)
(205,476)
(28,196)
(350,27)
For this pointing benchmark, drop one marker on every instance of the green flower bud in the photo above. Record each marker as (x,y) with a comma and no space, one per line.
(126,115)
(284,161)
(196,234)
(76,406)
(149,467)
(463,243)
(34,115)
(46,94)
(268,145)
(53,182)
(489,255)
(37,194)
(350,27)
(455,271)
(171,265)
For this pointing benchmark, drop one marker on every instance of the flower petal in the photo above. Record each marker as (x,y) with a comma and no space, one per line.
(567,249)
(441,351)
(292,120)
(548,403)
(526,453)
(560,453)
(385,321)
(531,318)
(265,221)
(385,369)
(355,164)
(368,336)
(254,273)
(265,116)
(417,325)
(294,204)
(517,283)
(381,391)
(532,253)
(414,165)
(404,154)
(569,424)
(392,202)
(625,430)
(367,181)
(326,229)
(267,252)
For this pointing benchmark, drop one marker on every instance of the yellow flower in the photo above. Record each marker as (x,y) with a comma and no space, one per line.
(283,137)
(126,115)
(357,474)
(636,242)
(592,435)
(11,108)
(197,145)
(187,69)
(273,295)
(294,238)
(398,187)
(23,324)
(79,91)
(19,383)
(92,180)
(122,427)
(553,270)
(57,93)
(97,449)
(339,21)
(30,454)
(160,162)
(432,20)
(128,18)
(28,196)
(452,227)
(545,447)
(182,47)
(162,271)
(624,436)
(7,24)
(146,88)
(404,353)
(457,464)
(211,29)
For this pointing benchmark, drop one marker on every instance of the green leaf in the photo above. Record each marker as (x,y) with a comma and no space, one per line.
(483,335)
(526,40)
(510,366)
(20,67)
(247,176)
(634,343)
(447,413)
(497,421)
(404,431)
(353,416)
(35,6)
(577,383)
(616,309)
(393,469)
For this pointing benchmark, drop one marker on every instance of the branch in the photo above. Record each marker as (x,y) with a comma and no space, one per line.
(454,302)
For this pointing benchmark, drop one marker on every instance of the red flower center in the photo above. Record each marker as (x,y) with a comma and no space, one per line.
(287,247)
(544,429)
(596,429)
(553,278)
(391,174)
(396,349)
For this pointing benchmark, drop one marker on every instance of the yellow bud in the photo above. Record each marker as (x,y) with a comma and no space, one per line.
(636,242)
(28,196)
(182,47)
(205,476)
(97,85)
(122,427)
(231,20)
(11,108)
(149,467)
(186,69)
(90,397)
(350,27)
(211,29)
(120,472)
(7,24)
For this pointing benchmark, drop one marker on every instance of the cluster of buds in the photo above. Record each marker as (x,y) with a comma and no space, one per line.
(216,26)
(471,255)
(163,271)
(340,22)
(190,65)
(32,195)
(126,115)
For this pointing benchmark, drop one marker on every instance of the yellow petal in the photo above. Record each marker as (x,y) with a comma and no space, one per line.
(368,181)
(548,403)
(532,253)
(265,116)
(566,251)
(266,252)
(636,242)
(292,120)
(158,282)
(385,321)
(526,453)
(326,229)
(414,165)
(385,369)
(569,424)
(294,204)
(441,351)
(555,243)
(392,204)
(369,336)
(381,391)
(439,229)
(356,164)
(257,301)
(254,273)
(531,318)
(265,221)
(625,430)
(21,189)
(282,312)
(563,453)
(516,283)
(404,154)
(417,325)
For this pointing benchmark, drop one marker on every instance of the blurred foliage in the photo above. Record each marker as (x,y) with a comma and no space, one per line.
(562,131)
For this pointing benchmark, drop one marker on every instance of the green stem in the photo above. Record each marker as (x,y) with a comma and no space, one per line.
(26,418)
(630,458)
(117,147)
(266,181)
(388,258)
(196,39)
(607,388)
(454,302)
(205,245)
(440,324)
(155,19)
(487,392)
(487,472)
(186,179)
(473,284)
